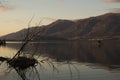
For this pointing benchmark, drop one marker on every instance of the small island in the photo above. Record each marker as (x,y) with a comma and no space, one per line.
(2,42)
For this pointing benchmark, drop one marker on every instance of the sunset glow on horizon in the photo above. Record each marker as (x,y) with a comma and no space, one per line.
(15,14)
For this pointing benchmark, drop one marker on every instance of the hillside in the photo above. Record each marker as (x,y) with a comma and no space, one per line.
(107,25)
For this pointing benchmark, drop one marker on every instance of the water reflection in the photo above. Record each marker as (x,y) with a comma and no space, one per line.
(105,54)
(80,60)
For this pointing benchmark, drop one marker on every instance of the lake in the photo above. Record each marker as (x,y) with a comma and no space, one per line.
(78,60)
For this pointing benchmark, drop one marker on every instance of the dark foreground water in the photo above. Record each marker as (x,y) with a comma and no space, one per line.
(80,60)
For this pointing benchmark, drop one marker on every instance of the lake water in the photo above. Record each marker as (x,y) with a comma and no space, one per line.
(80,60)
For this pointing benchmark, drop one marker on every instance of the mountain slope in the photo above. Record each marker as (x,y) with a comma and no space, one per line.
(107,25)
(100,26)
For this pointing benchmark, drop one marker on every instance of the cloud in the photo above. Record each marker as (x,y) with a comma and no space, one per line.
(115,1)
(114,10)
(4,8)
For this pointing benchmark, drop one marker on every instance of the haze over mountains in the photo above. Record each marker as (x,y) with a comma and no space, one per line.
(103,26)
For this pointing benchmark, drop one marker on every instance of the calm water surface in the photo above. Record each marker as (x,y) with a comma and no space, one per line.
(80,60)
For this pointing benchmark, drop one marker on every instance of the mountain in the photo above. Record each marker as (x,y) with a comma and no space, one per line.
(107,25)
(103,26)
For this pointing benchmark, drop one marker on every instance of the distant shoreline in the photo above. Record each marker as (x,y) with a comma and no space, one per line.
(89,39)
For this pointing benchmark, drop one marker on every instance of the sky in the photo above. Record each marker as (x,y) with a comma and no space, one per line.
(15,14)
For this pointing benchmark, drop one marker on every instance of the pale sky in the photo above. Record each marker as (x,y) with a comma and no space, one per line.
(15,14)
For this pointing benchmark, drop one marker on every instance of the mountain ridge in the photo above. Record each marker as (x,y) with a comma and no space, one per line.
(107,25)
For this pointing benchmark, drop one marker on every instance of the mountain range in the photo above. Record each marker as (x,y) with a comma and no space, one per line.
(103,26)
